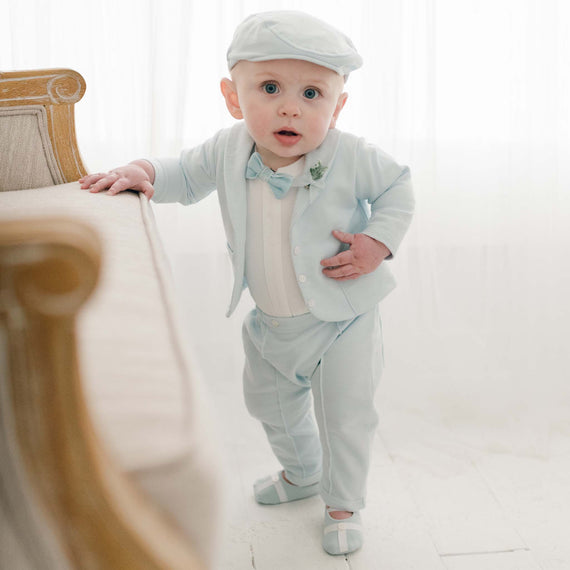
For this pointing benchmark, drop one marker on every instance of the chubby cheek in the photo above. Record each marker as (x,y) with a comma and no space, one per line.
(320,126)
(256,121)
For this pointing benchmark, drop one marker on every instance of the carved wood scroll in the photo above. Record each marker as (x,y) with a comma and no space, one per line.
(57,90)
(48,268)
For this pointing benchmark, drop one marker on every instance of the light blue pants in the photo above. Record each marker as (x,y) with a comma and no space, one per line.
(293,363)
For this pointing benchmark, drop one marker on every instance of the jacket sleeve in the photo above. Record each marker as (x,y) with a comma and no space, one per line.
(188,178)
(387,187)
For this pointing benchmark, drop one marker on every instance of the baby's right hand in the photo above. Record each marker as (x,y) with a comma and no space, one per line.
(132,176)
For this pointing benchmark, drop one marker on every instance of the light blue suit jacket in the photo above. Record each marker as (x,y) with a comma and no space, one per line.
(361,190)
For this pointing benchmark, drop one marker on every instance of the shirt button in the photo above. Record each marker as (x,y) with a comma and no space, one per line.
(274,323)
(302,278)
(297,250)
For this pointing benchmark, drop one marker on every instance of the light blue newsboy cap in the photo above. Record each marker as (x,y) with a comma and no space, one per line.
(288,34)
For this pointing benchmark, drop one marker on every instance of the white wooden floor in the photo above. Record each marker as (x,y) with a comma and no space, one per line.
(444,493)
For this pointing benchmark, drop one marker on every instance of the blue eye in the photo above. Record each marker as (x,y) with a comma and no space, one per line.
(270,88)
(311,93)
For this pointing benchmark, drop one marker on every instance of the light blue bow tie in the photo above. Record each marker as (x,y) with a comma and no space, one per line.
(278,182)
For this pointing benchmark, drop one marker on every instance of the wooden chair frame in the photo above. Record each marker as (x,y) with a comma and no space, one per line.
(48,268)
(56,90)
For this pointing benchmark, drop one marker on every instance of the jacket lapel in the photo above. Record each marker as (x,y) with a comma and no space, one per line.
(240,146)
(313,179)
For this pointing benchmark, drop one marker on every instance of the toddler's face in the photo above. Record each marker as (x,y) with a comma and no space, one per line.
(288,105)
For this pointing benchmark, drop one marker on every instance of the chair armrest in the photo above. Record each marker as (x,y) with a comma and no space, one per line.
(48,269)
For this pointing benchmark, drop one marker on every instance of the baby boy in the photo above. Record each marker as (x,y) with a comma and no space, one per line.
(310,214)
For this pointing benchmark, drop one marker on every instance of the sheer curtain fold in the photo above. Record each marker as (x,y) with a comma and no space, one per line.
(473,95)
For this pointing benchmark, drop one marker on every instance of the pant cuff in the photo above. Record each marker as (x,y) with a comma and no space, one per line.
(342,504)
(303,482)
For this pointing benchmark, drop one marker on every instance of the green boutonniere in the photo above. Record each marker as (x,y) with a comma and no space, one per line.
(317,171)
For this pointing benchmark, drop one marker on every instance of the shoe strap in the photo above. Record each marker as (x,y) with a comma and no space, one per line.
(340,526)
(275,481)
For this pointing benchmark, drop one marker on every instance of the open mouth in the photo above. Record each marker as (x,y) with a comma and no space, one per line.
(287,137)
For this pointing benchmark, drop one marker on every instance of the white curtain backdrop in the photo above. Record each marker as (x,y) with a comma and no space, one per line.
(473,95)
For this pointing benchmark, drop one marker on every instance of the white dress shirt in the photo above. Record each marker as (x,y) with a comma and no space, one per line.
(268,265)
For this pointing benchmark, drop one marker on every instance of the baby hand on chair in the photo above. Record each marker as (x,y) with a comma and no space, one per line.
(137,175)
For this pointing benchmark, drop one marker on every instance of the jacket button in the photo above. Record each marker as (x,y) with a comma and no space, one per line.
(302,278)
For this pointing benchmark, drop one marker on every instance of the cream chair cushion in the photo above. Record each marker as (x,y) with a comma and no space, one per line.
(24,140)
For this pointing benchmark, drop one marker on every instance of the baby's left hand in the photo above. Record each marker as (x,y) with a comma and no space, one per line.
(364,256)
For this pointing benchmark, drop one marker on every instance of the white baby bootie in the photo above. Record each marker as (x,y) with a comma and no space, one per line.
(342,536)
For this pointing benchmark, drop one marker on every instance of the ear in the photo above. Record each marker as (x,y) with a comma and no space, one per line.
(340,104)
(229,92)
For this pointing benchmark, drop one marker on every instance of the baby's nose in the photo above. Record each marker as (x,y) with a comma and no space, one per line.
(289,108)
